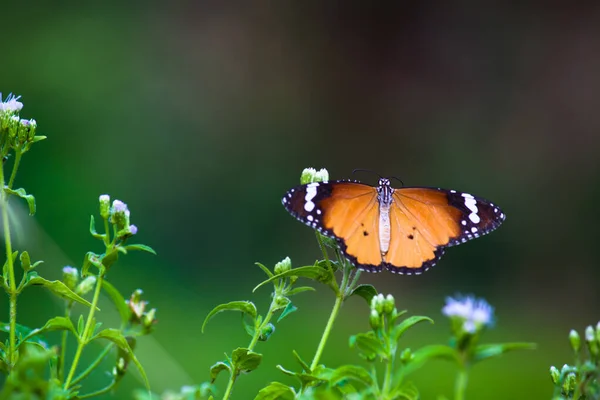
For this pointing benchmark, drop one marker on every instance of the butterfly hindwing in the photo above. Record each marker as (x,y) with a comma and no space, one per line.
(426,220)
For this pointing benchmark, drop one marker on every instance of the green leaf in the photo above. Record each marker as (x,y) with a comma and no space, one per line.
(53,324)
(427,353)
(58,288)
(311,272)
(217,368)
(276,391)
(140,247)
(91,259)
(118,300)
(485,351)
(353,373)
(24,333)
(115,336)
(304,378)
(265,269)
(245,360)
(23,194)
(93,229)
(290,308)
(300,290)
(25,261)
(251,328)
(403,326)
(246,307)
(303,364)
(407,391)
(368,345)
(38,138)
(365,291)
(80,325)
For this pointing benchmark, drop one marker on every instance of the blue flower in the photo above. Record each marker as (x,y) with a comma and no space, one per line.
(474,313)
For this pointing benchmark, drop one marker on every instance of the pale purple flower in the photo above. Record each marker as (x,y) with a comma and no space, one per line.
(475,313)
(133,229)
(10,104)
(104,198)
(119,206)
(70,270)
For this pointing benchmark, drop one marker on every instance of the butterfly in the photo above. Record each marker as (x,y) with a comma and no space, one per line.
(402,230)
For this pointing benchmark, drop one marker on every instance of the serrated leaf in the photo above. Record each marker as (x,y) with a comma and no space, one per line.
(276,391)
(246,307)
(53,324)
(23,194)
(139,247)
(265,269)
(118,300)
(245,360)
(93,229)
(485,351)
(58,288)
(115,336)
(290,308)
(352,373)
(315,273)
(365,291)
(217,368)
(368,345)
(300,290)
(409,322)
(24,333)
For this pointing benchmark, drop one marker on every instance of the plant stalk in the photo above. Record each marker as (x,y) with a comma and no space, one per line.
(461,384)
(83,340)
(12,351)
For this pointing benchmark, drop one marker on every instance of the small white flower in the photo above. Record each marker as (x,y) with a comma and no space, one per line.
(70,270)
(104,198)
(10,104)
(475,313)
(322,175)
(589,333)
(133,229)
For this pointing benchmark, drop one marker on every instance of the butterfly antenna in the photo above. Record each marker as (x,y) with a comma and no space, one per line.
(398,179)
(366,170)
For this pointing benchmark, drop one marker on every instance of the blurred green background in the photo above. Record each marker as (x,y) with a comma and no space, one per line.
(200,115)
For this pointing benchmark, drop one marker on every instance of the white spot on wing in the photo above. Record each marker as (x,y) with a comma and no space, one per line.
(311,192)
(309,217)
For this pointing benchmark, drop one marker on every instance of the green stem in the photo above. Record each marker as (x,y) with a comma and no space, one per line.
(93,365)
(106,233)
(63,346)
(15,168)
(461,384)
(334,312)
(83,340)
(98,392)
(235,373)
(325,256)
(12,351)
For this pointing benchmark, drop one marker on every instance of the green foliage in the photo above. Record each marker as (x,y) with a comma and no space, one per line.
(33,367)
(582,379)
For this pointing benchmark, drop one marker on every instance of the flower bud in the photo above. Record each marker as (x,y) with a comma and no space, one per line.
(104,206)
(310,175)
(406,355)
(554,374)
(589,334)
(119,215)
(86,285)
(149,319)
(375,320)
(575,340)
(570,382)
(283,266)
(389,304)
(70,277)
(266,332)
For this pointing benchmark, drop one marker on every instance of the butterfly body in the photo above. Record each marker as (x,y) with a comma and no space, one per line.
(403,230)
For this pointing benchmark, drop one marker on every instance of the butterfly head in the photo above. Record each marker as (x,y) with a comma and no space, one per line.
(384,191)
